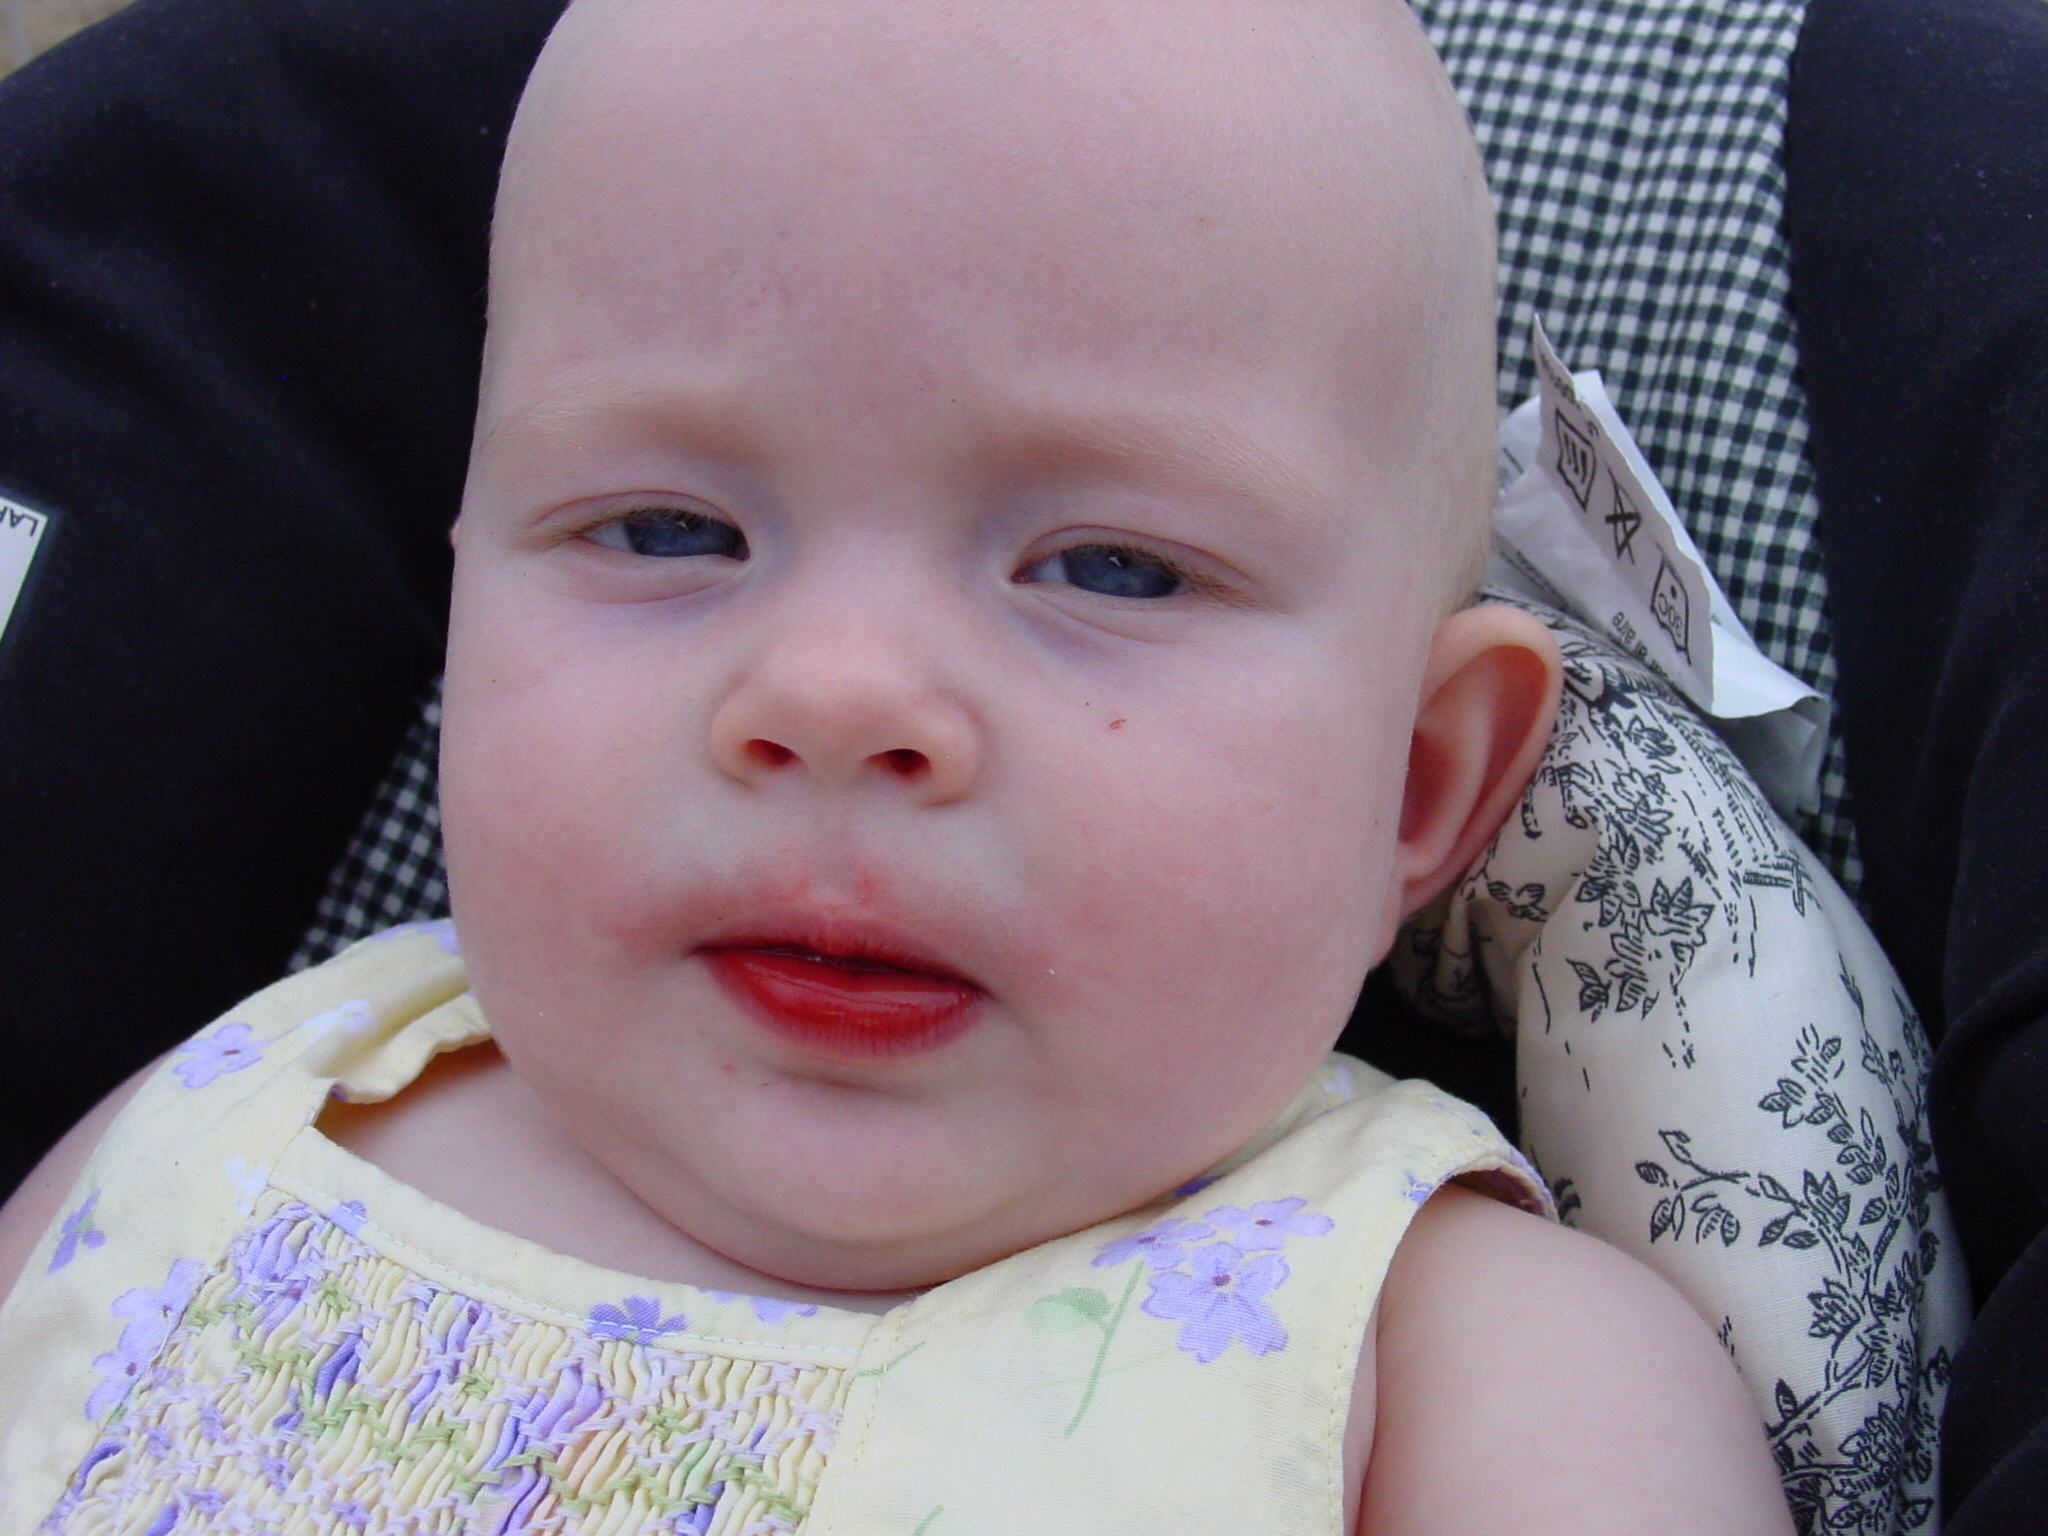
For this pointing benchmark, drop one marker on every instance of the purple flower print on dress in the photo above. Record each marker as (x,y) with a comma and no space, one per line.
(1269,1223)
(248,1180)
(78,1232)
(1219,1297)
(1416,1191)
(149,1315)
(1215,1290)
(354,1017)
(768,1309)
(639,1321)
(1161,1245)
(227,1049)
(440,929)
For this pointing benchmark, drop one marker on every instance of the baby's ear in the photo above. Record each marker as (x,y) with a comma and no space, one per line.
(1489,699)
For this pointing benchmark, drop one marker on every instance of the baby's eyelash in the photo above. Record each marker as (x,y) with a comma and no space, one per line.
(1111,569)
(667,533)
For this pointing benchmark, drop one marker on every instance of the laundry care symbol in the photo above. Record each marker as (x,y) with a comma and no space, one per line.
(1623,522)
(1577,463)
(1672,608)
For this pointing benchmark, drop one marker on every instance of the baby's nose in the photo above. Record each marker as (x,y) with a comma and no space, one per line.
(843,709)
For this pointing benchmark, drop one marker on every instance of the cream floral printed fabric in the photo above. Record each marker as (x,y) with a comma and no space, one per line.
(236,1325)
(1718,1073)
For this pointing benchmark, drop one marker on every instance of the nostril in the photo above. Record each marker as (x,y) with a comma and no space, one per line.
(905,762)
(770,754)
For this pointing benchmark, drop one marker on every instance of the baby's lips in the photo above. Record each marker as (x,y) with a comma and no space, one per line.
(855,943)
(847,1005)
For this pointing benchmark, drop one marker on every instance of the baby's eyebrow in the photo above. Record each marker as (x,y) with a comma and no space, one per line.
(1208,448)
(629,405)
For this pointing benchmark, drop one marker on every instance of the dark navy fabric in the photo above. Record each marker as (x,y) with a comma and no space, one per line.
(1917,161)
(241,301)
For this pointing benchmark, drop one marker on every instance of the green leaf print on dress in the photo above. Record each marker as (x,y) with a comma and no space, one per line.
(1211,1276)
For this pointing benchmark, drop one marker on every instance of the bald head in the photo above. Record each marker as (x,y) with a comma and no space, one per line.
(1291,173)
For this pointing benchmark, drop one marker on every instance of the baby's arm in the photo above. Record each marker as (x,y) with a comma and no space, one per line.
(1534,1380)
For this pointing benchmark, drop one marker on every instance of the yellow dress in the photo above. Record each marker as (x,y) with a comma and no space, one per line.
(235,1325)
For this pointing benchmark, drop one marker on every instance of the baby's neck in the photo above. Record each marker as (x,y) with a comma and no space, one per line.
(469,1133)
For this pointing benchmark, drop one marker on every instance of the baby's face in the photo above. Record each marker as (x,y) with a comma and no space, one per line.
(946,574)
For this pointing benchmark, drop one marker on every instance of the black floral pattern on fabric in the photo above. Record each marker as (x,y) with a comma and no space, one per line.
(1717,1072)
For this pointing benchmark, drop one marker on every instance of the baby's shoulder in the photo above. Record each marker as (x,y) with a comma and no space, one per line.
(1587,1391)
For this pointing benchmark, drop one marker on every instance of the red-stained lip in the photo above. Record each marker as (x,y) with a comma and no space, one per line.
(862,997)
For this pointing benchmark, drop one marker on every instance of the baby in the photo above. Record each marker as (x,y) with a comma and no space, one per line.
(960,662)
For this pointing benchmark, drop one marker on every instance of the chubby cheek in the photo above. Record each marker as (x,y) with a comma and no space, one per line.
(545,799)
(1222,890)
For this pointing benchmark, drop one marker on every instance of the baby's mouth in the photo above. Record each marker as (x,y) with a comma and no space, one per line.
(855,1005)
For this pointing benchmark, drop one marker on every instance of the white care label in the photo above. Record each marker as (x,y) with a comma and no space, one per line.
(23,532)
(1583,525)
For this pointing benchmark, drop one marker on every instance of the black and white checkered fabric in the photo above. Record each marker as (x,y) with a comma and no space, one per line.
(1633,147)
(392,872)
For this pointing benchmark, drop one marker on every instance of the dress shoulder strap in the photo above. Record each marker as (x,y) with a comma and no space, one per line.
(180,1168)
(1185,1368)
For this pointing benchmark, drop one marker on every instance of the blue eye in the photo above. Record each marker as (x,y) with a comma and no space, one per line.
(1111,571)
(669,533)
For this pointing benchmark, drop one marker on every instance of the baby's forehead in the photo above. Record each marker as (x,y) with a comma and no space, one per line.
(1297,169)
(1330,94)
(1314,141)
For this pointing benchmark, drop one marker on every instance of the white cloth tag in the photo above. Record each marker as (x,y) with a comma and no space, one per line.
(23,533)
(1583,525)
